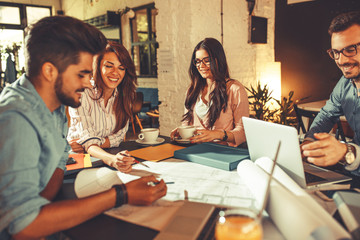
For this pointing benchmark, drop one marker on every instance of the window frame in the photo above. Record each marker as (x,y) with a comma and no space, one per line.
(22,26)
(151,41)
(23,17)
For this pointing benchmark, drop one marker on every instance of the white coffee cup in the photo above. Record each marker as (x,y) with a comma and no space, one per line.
(186,131)
(149,134)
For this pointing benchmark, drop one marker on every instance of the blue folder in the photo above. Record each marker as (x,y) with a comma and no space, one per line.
(213,155)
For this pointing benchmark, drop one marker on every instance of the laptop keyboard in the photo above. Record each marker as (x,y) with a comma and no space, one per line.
(310,178)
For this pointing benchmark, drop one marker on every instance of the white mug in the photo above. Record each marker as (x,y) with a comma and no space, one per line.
(149,134)
(186,131)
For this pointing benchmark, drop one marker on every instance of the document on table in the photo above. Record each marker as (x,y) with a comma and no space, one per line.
(192,181)
(287,201)
(196,182)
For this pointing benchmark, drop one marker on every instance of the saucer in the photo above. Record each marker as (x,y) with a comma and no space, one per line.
(159,140)
(183,141)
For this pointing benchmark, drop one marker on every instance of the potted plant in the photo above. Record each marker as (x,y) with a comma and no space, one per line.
(286,111)
(261,96)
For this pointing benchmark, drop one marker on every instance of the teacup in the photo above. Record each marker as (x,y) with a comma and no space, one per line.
(149,134)
(186,131)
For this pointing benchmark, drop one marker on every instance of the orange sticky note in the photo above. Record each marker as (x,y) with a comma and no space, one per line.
(82,161)
(156,153)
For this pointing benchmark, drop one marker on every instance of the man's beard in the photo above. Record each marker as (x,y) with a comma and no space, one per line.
(63,98)
(350,75)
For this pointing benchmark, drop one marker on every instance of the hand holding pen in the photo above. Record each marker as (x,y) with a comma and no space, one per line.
(127,154)
(123,161)
(140,192)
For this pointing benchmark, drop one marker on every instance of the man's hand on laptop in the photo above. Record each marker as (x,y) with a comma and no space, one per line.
(326,151)
(304,142)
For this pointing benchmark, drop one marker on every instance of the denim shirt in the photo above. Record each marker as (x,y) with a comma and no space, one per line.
(32,145)
(343,101)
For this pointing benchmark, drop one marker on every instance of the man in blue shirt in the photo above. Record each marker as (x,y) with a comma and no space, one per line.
(33,126)
(344,100)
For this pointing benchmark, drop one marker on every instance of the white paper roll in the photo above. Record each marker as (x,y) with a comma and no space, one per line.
(296,214)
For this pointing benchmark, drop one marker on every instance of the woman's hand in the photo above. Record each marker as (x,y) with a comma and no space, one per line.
(207,136)
(75,146)
(123,161)
(174,134)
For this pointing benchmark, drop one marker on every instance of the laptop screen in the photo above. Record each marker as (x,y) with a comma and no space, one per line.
(262,139)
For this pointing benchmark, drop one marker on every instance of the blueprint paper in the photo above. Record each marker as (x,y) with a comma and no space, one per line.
(200,183)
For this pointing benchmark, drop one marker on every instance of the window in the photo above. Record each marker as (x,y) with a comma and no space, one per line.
(14,18)
(9,15)
(36,13)
(143,40)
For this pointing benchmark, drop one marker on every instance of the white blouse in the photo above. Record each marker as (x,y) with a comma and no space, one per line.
(92,122)
(201,108)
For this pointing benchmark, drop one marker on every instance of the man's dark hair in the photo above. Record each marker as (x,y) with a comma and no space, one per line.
(344,21)
(59,40)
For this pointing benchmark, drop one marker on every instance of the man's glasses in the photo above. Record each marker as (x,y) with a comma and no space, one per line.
(205,60)
(349,51)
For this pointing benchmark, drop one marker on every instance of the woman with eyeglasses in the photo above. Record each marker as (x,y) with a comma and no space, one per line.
(214,102)
(102,119)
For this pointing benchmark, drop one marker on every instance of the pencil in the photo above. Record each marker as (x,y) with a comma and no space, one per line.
(142,163)
(156,183)
(128,155)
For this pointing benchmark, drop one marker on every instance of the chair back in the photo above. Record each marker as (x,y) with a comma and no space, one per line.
(304,113)
(137,105)
(311,115)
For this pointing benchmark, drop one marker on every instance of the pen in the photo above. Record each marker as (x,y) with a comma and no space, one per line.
(141,163)
(128,155)
(153,184)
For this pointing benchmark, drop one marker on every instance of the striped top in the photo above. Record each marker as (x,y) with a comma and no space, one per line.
(92,122)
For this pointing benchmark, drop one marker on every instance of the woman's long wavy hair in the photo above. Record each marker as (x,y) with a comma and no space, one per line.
(220,72)
(126,89)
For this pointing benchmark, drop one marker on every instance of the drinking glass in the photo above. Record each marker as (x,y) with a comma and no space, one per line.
(238,224)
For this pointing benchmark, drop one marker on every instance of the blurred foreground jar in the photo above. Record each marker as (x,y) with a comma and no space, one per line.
(238,224)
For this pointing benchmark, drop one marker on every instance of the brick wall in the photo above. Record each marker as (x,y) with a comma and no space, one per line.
(180,25)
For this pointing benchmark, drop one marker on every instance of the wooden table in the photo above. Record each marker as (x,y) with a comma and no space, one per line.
(316,107)
(106,227)
(313,106)
(103,226)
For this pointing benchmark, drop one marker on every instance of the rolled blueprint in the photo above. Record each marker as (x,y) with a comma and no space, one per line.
(296,214)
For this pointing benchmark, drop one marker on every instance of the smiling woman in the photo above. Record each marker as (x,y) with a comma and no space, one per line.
(102,119)
(214,102)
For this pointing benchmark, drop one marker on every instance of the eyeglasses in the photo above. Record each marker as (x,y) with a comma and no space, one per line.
(349,51)
(197,62)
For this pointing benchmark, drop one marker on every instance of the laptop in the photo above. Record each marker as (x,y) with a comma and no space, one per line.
(262,138)
(195,220)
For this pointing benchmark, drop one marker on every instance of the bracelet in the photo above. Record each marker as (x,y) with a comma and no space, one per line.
(225,136)
(121,195)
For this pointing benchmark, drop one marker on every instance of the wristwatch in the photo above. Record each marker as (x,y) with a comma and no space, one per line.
(349,155)
(225,136)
